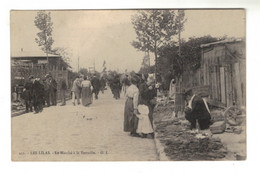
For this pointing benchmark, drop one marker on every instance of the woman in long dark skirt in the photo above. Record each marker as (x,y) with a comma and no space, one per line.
(86,94)
(130,118)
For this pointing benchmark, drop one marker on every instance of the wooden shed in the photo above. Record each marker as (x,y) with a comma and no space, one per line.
(223,69)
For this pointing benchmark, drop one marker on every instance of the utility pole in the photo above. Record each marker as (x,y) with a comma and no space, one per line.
(78,63)
(94,64)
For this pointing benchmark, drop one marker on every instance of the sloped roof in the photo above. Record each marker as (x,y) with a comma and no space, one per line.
(221,42)
(35,54)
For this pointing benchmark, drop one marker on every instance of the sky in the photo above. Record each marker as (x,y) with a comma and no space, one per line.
(95,36)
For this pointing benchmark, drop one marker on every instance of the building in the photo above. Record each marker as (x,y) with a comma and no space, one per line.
(24,64)
(222,75)
(223,69)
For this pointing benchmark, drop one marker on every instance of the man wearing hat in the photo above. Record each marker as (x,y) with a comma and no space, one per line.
(197,110)
(27,94)
(147,94)
(95,82)
(38,92)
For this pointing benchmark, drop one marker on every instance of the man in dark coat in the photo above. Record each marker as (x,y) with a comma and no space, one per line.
(116,87)
(197,110)
(102,84)
(95,82)
(28,93)
(38,94)
(147,94)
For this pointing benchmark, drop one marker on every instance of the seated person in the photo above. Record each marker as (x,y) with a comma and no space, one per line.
(197,110)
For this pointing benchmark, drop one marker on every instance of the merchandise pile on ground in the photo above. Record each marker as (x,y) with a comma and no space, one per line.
(180,143)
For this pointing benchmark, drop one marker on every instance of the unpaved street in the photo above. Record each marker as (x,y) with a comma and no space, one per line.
(77,133)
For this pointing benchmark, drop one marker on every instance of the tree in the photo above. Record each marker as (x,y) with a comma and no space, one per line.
(84,71)
(65,53)
(155,28)
(190,59)
(44,24)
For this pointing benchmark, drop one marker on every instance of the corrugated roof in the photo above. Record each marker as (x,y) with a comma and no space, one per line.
(221,42)
(19,54)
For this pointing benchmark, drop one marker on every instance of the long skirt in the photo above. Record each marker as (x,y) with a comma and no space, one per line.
(130,119)
(86,96)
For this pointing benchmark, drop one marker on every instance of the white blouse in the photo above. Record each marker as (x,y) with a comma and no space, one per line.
(133,92)
(85,83)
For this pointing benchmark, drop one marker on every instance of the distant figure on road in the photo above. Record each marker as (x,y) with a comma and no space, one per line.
(86,92)
(131,109)
(102,84)
(96,86)
(63,88)
(76,90)
(116,87)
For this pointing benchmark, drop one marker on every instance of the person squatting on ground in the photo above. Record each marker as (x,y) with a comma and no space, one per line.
(197,110)
(63,88)
(76,90)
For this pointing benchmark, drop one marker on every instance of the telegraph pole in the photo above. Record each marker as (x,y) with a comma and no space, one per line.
(94,64)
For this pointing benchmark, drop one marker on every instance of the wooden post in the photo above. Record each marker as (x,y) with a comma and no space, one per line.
(238,84)
(229,86)
(222,85)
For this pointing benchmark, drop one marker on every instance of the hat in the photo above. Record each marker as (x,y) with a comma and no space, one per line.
(134,79)
(145,76)
(188,92)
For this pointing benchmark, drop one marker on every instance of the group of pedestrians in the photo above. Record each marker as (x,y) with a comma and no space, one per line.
(84,87)
(39,93)
(139,105)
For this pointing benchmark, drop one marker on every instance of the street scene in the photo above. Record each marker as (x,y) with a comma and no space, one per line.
(128,85)
(77,133)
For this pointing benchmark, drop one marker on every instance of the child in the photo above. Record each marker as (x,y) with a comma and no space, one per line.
(144,125)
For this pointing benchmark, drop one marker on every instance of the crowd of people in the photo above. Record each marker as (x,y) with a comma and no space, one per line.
(39,93)
(140,91)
